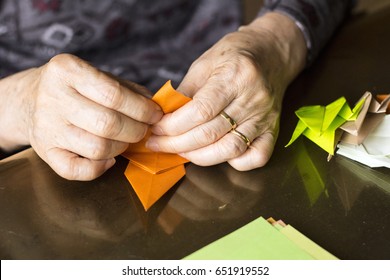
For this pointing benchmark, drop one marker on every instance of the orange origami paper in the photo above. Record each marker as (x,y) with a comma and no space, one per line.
(152,174)
(383,97)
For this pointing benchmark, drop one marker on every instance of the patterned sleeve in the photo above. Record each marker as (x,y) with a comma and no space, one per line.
(317,19)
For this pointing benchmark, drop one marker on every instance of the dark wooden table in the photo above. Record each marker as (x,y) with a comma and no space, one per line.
(342,205)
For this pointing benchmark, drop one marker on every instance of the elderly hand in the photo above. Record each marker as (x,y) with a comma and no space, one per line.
(239,83)
(76,117)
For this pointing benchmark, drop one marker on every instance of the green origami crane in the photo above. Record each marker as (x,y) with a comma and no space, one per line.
(320,123)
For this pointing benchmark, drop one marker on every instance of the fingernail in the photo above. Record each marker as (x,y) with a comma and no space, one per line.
(152,145)
(157,130)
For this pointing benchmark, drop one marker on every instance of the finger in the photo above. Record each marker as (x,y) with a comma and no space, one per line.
(140,89)
(88,145)
(206,104)
(102,121)
(104,90)
(201,136)
(72,167)
(228,147)
(257,155)
(196,78)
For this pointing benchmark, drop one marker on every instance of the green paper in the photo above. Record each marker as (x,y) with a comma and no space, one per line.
(319,123)
(254,241)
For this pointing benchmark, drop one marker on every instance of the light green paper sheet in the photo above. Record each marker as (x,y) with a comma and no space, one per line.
(319,123)
(258,240)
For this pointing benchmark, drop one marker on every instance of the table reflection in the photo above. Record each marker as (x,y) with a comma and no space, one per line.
(57,218)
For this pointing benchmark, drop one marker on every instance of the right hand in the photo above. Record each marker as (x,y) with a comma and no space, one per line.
(244,75)
(78,118)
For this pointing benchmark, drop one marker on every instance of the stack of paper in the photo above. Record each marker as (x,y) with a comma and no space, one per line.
(262,239)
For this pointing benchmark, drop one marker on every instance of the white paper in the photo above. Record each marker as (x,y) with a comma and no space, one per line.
(375,149)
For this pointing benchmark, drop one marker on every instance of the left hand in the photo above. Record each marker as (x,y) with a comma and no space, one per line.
(244,75)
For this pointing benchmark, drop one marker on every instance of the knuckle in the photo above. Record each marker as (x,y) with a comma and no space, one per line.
(249,69)
(243,71)
(204,110)
(201,64)
(65,62)
(107,124)
(205,136)
(138,133)
(64,66)
(110,91)
(231,148)
(98,148)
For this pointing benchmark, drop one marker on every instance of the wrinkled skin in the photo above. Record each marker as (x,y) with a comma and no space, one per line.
(245,75)
(78,118)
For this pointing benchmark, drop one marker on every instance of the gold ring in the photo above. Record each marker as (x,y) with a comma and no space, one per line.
(242,136)
(232,122)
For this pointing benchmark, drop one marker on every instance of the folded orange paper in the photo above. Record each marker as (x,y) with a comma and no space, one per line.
(152,174)
(382,98)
